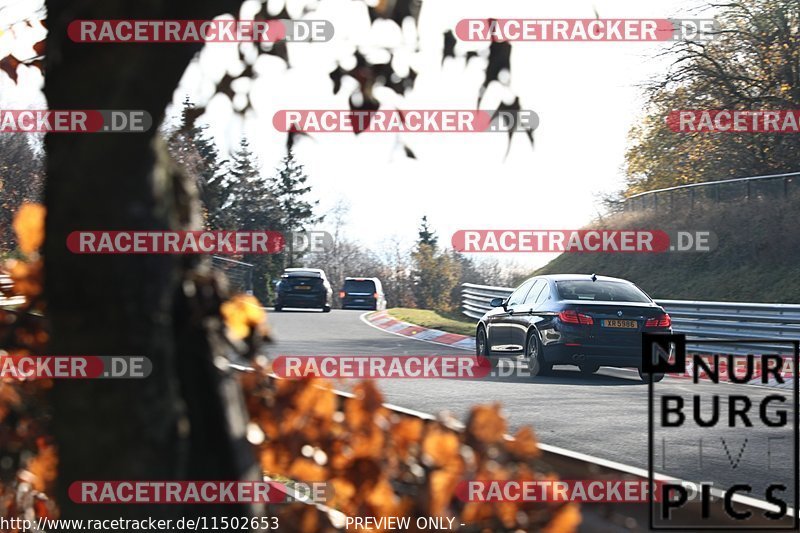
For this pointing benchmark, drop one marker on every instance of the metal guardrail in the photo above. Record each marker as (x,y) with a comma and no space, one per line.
(716,191)
(240,274)
(568,464)
(698,319)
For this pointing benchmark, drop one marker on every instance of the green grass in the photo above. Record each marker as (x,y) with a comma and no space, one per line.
(756,259)
(433,320)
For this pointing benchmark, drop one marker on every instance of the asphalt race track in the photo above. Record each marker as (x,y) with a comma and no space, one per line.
(603,415)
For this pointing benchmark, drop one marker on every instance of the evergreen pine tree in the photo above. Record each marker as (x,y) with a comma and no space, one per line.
(426,235)
(199,153)
(289,189)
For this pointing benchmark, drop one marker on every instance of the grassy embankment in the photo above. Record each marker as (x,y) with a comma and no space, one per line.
(431,319)
(756,260)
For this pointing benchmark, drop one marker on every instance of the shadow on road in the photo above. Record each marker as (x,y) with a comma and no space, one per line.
(296,310)
(558,376)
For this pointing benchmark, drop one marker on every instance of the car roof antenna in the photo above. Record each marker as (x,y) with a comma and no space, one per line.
(594,276)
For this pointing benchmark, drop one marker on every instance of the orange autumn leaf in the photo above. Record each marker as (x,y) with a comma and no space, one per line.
(524,443)
(566,520)
(441,447)
(243,313)
(486,424)
(442,484)
(29,226)
(27,278)
(382,497)
(307,470)
(42,468)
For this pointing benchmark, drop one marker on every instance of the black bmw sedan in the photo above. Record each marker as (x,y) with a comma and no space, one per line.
(571,319)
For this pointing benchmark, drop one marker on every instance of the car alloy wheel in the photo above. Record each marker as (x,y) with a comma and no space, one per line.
(482,348)
(534,357)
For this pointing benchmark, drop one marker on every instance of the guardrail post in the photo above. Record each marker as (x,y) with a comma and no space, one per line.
(691,198)
(748,188)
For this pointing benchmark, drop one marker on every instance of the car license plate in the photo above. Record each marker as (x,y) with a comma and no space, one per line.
(630,324)
(303,287)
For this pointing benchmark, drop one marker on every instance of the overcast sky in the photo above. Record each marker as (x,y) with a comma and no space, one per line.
(587,96)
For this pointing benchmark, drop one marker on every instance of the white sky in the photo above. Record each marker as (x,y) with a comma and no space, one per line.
(587,96)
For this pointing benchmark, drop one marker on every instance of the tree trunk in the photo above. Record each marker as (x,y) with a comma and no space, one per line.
(173,424)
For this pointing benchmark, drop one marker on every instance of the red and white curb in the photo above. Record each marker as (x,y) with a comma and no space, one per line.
(382,320)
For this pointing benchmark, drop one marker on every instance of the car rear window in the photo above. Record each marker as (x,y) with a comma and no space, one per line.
(601,291)
(354,285)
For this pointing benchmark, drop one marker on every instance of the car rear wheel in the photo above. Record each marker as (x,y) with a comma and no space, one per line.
(587,368)
(482,348)
(644,376)
(326,308)
(534,357)
(278,308)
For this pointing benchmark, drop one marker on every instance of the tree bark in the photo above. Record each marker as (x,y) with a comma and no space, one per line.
(173,424)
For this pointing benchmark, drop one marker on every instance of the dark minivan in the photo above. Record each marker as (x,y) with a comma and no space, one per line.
(362,293)
(304,287)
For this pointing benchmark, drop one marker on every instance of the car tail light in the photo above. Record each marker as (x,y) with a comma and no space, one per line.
(663,321)
(342,294)
(375,295)
(573,317)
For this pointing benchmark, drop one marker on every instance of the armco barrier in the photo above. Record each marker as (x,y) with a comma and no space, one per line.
(698,319)
(573,465)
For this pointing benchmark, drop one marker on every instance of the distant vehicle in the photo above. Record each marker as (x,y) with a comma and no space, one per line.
(588,321)
(304,287)
(362,293)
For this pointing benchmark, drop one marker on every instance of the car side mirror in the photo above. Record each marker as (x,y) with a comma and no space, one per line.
(498,302)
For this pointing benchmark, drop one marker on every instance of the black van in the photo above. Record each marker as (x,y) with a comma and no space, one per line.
(362,293)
